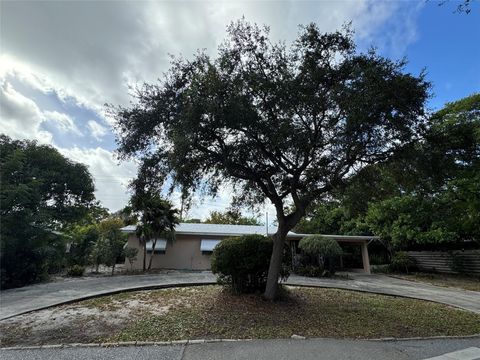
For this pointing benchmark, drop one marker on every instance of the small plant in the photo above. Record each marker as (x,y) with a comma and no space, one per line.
(401,262)
(75,270)
(131,255)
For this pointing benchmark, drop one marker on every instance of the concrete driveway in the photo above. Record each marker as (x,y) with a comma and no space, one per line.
(35,297)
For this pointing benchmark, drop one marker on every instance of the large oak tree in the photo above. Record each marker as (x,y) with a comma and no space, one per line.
(283,123)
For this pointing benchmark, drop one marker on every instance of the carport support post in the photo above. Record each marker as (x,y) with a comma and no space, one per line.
(365,258)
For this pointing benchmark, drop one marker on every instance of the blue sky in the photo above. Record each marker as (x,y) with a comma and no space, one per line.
(62,61)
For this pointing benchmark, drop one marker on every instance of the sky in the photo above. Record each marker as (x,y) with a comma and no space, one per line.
(62,61)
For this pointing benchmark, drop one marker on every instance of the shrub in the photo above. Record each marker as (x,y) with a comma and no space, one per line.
(131,255)
(310,271)
(75,270)
(323,249)
(401,262)
(242,262)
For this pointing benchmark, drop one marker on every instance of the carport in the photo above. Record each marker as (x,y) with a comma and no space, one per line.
(352,240)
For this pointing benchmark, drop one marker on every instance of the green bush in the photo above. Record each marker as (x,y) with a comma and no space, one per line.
(324,250)
(310,271)
(401,262)
(242,262)
(75,270)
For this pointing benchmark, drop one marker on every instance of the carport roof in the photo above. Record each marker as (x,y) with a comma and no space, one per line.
(237,230)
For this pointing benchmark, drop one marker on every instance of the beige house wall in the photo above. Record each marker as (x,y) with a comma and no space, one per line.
(183,253)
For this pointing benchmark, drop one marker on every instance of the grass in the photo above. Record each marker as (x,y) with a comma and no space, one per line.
(213,313)
(210,312)
(446,280)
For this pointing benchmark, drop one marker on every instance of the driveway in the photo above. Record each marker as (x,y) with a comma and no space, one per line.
(318,349)
(18,301)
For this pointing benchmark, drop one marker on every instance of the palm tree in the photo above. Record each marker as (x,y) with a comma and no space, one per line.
(158,218)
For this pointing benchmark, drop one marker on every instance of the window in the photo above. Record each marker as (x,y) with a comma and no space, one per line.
(207,246)
(160,246)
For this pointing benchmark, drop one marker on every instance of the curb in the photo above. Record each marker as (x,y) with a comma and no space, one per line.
(123,343)
(205,341)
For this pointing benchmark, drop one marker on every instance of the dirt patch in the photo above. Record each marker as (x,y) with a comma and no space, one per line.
(211,312)
(87,321)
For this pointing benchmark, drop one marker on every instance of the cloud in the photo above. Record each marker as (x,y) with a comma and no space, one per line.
(111,178)
(95,61)
(92,53)
(61,121)
(96,130)
(21,117)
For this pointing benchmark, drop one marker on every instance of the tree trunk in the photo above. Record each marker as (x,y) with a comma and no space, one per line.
(113,268)
(154,242)
(275,263)
(144,256)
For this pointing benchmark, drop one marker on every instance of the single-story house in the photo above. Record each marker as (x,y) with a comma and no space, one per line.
(194,243)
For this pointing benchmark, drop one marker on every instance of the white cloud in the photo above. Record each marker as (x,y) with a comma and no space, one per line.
(62,121)
(111,178)
(94,60)
(97,131)
(20,116)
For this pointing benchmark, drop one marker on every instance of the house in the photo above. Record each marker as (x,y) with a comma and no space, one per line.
(194,244)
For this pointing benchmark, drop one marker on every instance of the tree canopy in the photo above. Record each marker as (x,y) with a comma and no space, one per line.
(287,124)
(232,216)
(426,196)
(41,191)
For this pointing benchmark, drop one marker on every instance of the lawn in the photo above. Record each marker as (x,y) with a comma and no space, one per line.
(210,312)
(447,280)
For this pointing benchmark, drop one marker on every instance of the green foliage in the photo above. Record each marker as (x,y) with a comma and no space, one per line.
(242,262)
(427,195)
(157,217)
(131,255)
(317,245)
(323,249)
(112,241)
(401,262)
(75,270)
(82,241)
(41,191)
(233,217)
(310,271)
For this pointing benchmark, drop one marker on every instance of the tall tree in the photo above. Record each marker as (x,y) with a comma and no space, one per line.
(41,191)
(277,123)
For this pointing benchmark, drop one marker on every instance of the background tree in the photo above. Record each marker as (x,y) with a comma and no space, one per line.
(284,124)
(112,241)
(425,197)
(41,191)
(232,216)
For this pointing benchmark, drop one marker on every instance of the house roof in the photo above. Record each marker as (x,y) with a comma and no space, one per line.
(237,230)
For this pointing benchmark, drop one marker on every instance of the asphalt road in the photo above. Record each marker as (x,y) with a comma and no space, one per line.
(317,349)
